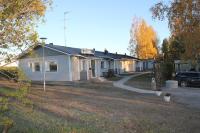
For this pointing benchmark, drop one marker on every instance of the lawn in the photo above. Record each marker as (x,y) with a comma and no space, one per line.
(114,78)
(142,81)
(96,107)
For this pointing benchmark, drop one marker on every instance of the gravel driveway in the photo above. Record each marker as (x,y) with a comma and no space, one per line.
(189,96)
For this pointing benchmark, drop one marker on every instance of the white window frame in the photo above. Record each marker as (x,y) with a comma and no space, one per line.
(47,65)
(31,66)
(34,70)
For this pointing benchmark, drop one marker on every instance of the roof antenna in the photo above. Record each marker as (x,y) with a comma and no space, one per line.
(65,38)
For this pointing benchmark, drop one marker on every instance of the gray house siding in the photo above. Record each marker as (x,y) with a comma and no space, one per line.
(63,69)
(75,68)
(63,65)
(38,52)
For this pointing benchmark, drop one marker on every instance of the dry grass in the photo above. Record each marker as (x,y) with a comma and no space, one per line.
(95,107)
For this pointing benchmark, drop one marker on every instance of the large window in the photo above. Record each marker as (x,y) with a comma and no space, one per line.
(36,67)
(51,66)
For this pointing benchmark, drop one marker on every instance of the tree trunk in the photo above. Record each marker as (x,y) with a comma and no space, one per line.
(158,76)
(6,128)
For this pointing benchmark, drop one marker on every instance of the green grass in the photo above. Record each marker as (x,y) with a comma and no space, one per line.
(114,78)
(7,92)
(142,81)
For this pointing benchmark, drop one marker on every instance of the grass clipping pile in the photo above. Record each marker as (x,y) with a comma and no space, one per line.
(12,99)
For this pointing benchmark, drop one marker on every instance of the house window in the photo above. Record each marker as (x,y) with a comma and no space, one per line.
(102,64)
(51,66)
(36,67)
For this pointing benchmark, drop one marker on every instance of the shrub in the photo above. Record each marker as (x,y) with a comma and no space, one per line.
(163,71)
(110,73)
(9,72)
(167,69)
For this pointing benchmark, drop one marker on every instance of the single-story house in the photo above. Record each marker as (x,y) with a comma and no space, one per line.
(70,64)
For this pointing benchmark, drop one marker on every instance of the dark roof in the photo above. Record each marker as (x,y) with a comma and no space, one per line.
(77,51)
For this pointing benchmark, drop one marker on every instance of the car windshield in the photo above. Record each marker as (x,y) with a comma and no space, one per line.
(189,74)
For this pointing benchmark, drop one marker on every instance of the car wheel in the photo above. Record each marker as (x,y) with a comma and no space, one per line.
(183,84)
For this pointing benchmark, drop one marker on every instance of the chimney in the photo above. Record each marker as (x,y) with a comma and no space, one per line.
(116,53)
(105,51)
(93,49)
(125,54)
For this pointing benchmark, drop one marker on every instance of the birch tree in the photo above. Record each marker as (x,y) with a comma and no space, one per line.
(17,22)
(184,22)
(143,39)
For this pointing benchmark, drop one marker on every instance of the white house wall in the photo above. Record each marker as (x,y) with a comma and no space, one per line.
(98,68)
(127,66)
(120,65)
(63,70)
(139,65)
(105,69)
(75,68)
(106,66)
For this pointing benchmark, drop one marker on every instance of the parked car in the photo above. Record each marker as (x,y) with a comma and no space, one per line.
(188,78)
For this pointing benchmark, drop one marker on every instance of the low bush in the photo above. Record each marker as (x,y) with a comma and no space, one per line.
(110,73)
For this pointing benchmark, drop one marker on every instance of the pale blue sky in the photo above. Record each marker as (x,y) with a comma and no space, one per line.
(98,24)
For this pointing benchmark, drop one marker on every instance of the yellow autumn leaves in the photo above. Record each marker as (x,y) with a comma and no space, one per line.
(12,9)
(18,19)
(183,18)
(144,38)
